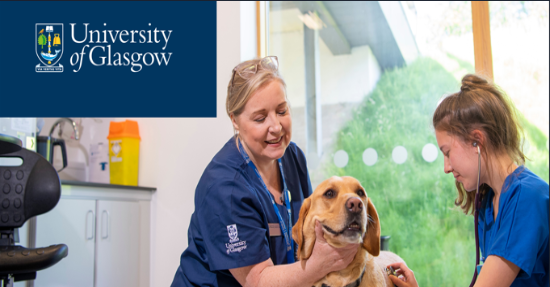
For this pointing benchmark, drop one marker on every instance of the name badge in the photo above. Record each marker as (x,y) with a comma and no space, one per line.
(274,229)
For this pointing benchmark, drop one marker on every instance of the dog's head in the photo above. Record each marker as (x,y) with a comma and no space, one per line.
(347,215)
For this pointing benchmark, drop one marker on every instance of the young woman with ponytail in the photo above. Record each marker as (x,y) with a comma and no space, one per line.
(480,121)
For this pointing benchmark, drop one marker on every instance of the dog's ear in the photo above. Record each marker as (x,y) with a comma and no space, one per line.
(305,246)
(371,241)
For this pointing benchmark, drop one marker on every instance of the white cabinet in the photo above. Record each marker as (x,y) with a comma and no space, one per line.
(107,230)
(71,222)
(117,243)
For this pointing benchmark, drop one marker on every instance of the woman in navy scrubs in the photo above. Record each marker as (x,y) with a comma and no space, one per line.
(513,216)
(250,195)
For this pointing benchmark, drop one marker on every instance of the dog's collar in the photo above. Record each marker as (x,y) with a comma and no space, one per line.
(353,284)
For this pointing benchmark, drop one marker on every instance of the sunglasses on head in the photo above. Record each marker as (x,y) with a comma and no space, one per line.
(270,63)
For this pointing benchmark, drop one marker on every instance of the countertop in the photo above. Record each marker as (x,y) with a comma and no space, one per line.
(106,185)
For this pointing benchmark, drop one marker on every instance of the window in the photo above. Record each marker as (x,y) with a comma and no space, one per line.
(363,80)
(519,41)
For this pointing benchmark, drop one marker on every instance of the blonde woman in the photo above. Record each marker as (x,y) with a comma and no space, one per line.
(250,195)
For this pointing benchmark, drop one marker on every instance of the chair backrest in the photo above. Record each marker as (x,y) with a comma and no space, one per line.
(26,190)
(30,189)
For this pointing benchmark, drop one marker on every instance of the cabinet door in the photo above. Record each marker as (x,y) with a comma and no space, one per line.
(117,253)
(71,222)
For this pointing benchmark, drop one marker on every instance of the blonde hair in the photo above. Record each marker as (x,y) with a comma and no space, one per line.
(480,105)
(240,89)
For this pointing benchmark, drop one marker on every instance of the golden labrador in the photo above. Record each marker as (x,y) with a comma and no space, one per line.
(347,215)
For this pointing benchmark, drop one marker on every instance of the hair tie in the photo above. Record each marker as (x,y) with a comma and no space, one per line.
(464,88)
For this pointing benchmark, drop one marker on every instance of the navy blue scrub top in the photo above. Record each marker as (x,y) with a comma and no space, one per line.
(229,228)
(520,232)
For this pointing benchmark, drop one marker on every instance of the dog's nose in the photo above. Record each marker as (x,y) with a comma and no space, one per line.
(354,205)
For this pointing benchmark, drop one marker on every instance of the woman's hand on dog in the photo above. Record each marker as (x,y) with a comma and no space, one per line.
(327,258)
(407,279)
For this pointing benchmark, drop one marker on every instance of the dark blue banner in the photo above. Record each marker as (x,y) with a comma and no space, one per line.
(108,59)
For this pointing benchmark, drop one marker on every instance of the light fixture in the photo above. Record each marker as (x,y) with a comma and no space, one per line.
(312,20)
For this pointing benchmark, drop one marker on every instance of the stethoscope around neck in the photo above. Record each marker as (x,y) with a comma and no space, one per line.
(477,206)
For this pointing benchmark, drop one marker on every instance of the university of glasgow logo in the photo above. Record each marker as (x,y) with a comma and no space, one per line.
(233,233)
(48,42)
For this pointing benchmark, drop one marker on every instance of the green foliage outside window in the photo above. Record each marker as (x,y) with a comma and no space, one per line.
(415,200)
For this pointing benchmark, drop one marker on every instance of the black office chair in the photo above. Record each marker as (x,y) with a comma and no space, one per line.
(26,190)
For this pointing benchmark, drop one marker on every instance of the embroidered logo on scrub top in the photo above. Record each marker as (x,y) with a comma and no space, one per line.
(233,245)
(233,233)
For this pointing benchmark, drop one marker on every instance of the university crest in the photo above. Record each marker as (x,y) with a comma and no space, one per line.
(48,42)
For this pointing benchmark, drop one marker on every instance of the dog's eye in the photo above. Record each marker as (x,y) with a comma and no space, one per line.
(329,193)
(360,192)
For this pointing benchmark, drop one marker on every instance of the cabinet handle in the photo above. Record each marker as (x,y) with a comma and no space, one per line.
(105,226)
(92,227)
